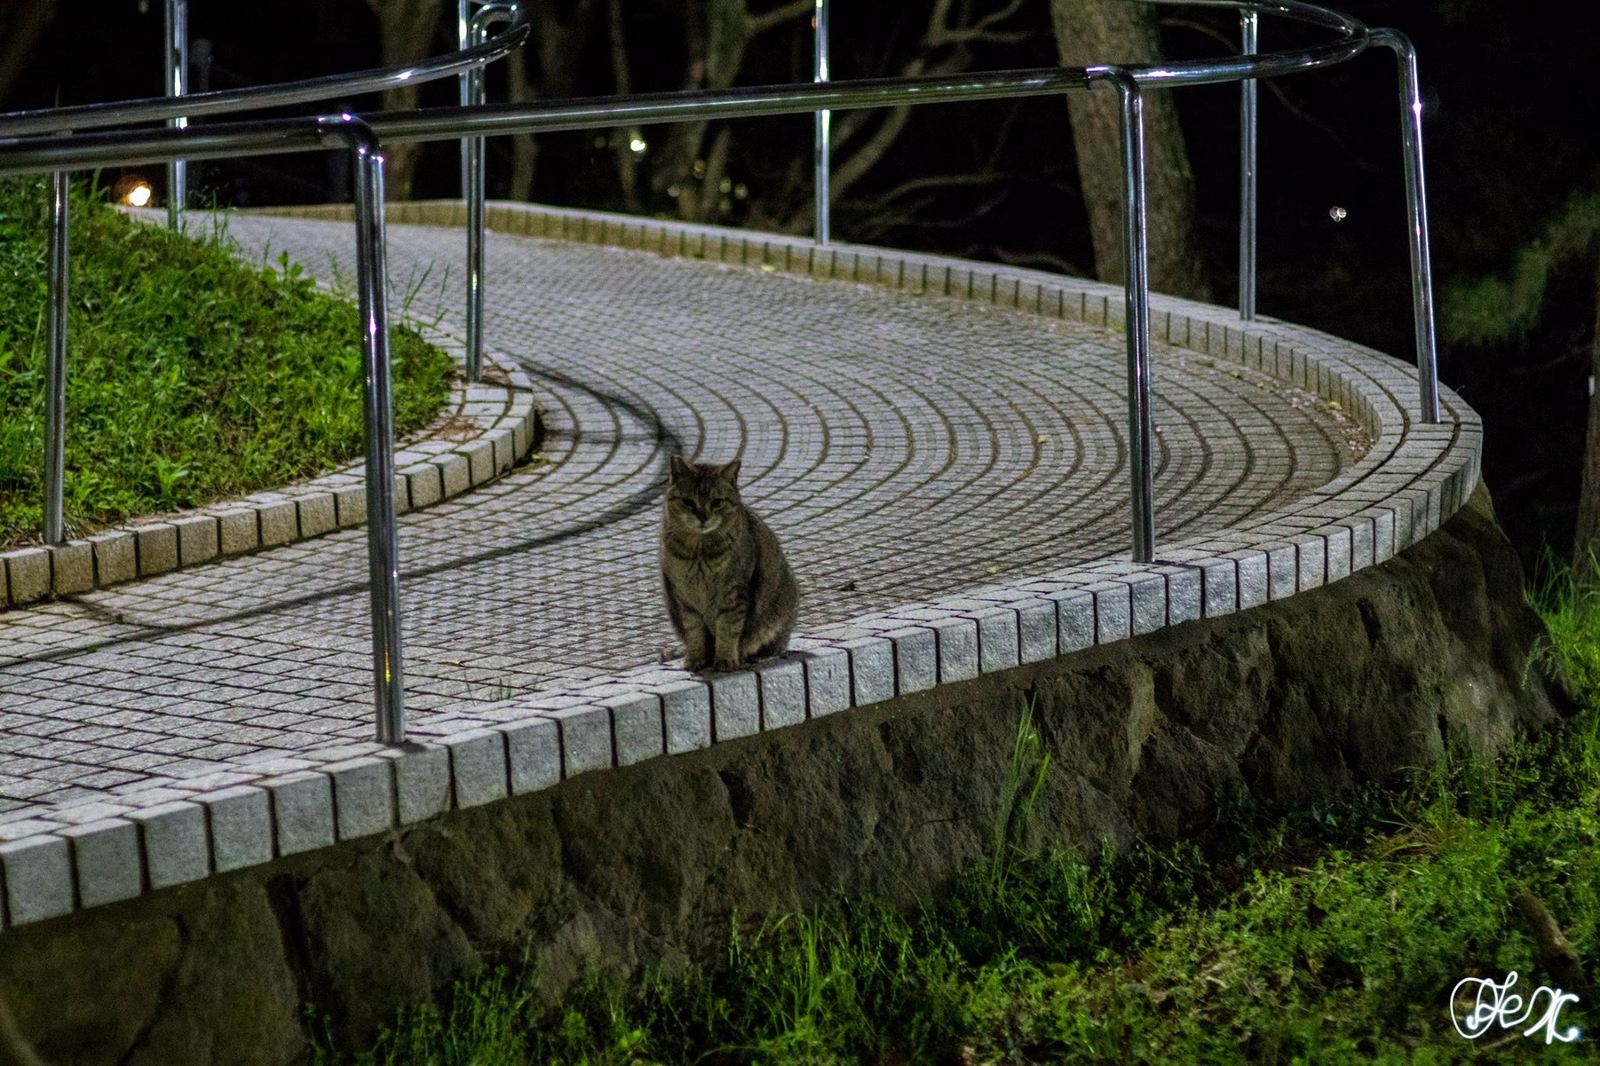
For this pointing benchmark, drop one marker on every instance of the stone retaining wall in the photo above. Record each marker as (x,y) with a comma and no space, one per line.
(1293,702)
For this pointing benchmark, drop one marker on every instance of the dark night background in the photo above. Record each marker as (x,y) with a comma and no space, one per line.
(1509,136)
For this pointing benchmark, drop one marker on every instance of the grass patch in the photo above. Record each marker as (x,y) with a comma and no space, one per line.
(192,376)
(1331,936)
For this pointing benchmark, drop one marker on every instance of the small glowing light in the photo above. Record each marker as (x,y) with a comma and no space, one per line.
(637,145)
(133,191)
(699,168)
(1337,213)
(673,190)
(741,191)
(726,186)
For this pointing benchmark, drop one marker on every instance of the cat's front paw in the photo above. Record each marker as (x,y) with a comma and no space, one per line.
(727,664)
(695,663)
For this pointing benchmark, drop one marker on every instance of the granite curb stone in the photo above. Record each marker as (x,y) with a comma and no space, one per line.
(240,824)
(478,771)
(312,509)
(302,811)
(105,861)
(38,878)
(173,836)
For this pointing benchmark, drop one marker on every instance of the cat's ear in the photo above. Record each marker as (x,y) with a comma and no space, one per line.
(678,468)
(730,472)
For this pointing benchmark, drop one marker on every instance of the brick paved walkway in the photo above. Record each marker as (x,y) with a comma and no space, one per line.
(903,447)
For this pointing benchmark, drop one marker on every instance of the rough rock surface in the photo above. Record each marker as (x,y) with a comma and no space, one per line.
(1282,705)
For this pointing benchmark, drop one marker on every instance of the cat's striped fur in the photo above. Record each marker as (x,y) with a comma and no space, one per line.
(730,593)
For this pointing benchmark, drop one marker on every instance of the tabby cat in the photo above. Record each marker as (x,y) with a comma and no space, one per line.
(730,593)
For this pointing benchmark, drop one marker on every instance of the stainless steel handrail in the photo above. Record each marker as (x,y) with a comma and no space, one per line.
(175,109)
(1417,214)
(547,116)
(55,393)
(177,72)
(114,113)
(822,147)
(1249,29)
(473,190)
(60,153)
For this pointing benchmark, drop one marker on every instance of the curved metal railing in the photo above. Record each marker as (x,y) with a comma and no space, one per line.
(363,138)
(175,109)
(472,187)
(178,106)
(256,97)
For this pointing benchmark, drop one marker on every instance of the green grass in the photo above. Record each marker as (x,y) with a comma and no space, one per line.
(192,375)
(1331,936)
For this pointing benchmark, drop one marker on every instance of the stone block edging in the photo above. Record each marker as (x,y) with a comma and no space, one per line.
(482,432)
(1412,480)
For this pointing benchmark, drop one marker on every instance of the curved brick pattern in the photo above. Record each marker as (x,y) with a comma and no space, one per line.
(937,442)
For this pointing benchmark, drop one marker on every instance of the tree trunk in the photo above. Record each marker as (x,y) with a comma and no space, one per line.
(1109,31)
(406,28)
(524,149)
(627,160)
(1586,544)
(545,69)
(561,34)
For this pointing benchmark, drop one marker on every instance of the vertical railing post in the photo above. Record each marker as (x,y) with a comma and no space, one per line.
(475,228)
(1136,300)
(472,190)
(383,552)
(1417,212)
(1249,23)
(55,393)
(177,77)
(464,80)
(823,125)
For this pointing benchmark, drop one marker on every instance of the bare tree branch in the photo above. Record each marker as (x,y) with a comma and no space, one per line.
(915,214)
(716,166)
(873,227)
(1283,97)
(717,32)
(942,34)
(937,181)
(777,16)
(1045,259)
